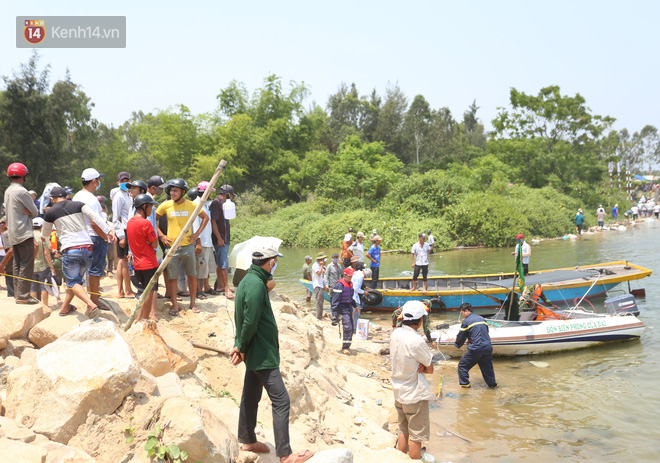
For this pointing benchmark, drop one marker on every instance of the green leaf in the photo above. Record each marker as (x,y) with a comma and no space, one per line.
(131,418)
(151,443)
(151,434)
(130,439)
(175,452)
(184,455)
(151,452)
(162,450)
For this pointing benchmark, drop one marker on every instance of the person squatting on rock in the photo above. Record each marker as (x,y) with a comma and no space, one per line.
(344,304)
(474,329)
(411,359)
(20,212)
(257,344)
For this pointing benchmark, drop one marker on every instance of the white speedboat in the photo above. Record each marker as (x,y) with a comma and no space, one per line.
(574,329)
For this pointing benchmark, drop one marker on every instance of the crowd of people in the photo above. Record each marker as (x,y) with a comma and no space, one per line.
(72,237)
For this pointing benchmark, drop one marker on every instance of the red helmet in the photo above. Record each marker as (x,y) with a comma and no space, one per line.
(17,170)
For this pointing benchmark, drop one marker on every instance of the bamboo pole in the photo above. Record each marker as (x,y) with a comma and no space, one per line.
(175,245)
(212,349)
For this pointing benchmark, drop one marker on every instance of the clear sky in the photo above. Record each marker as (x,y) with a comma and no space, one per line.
(450,52)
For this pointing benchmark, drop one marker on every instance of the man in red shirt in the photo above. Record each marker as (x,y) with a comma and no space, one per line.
(144,241)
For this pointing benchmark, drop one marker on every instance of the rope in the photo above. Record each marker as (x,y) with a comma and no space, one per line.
(50,284)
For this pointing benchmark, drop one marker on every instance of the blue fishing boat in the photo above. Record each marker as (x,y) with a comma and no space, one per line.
(448,292)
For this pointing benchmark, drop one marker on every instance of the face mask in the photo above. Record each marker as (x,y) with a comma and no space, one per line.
(99,185)
(123,187)
(334,261)
(272,270)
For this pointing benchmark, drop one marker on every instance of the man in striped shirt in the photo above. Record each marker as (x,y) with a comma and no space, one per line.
(76,244)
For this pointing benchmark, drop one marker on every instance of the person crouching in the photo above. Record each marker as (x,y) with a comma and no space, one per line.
(344,304)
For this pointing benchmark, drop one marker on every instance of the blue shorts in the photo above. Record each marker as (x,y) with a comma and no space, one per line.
(75,263)
(40,277)
(221,255)
(99,253)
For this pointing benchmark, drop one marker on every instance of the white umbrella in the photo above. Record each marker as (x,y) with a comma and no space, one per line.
(241,254)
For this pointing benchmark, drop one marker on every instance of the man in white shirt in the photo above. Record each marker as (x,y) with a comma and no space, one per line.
(318,270)
(411,359)
(357,248)
(91,181)
(205,260)
(420,260)
(430,240)
(526,252)
(121,210)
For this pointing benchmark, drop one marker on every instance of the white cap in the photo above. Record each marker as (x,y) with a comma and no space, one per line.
(348,237)
(374,231)
(413,310)
(37,222)
(265,252)
(90,174)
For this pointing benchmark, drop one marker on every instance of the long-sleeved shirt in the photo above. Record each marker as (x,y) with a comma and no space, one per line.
(19,225)
(357,280)
(396,321)
(68,217)
(256,328)
(121,211)
(332,274)
(474,328)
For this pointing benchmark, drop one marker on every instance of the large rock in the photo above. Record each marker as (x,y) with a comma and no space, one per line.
(16,320)
(161,350)
(19,452)
(169,385)
(54,327)
(89,369)
(11,430)
(340,455)
(60,453)
(198,430)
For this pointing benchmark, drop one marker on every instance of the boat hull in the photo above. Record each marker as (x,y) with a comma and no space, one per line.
(452,290)
(529,338)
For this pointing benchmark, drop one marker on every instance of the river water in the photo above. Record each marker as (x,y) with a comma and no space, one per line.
(598,404)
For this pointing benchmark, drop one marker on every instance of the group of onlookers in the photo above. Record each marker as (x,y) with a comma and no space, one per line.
(76,230)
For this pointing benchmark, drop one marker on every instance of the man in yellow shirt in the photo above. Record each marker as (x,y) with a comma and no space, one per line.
(178,210)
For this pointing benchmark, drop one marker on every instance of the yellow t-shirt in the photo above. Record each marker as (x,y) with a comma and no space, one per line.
(177,216)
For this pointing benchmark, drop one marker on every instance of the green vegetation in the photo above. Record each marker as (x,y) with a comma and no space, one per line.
(166,453)
(305,173)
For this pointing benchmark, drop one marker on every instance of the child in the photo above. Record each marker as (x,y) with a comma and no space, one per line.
(144,241)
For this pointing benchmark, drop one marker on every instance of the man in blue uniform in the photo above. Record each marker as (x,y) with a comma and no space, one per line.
(474,329)
(343,304)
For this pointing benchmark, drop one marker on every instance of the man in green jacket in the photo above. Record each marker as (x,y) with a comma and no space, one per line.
(257,344)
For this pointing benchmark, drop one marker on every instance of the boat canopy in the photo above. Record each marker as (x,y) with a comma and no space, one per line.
(542,278)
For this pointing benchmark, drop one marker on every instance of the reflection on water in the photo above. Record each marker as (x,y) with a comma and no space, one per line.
(597,404)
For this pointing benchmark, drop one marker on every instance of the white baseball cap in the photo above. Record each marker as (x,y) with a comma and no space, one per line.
(266,252)
(91,174)
(413,310)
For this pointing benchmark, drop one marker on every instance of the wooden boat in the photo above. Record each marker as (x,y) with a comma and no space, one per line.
(450,291)
(576,330)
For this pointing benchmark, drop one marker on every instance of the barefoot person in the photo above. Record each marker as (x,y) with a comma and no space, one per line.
(144,242)
(76,244)
(411,359)
(257,345)
(420,261)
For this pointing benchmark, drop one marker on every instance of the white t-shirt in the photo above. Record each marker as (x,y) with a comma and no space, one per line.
(430,240)
(421,253)
(635,210)
(407,350)
(526,250)
(317,280)
(357,280)
(357,249)
(205,236)
(88,198)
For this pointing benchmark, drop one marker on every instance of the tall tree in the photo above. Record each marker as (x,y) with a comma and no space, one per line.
(417,124)
(392,116)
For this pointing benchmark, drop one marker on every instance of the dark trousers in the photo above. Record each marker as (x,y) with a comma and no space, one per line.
(253,386)
(349,328)
(23,267)
(485,360)
(375,273)
(525,269)
(9,279)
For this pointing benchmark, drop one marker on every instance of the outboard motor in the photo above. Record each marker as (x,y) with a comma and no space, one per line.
(622,305)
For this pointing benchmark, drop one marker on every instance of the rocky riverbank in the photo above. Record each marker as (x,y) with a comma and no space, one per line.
(75,390)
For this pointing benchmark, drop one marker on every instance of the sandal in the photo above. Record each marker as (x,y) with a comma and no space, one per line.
(257,447)
(173,313)
(102,307)
(201,295)
(212,292)
(72,308)
(183,293)
(92,313)
(194,310)
(229,296)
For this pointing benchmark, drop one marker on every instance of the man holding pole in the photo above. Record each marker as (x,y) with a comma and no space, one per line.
(178,210)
